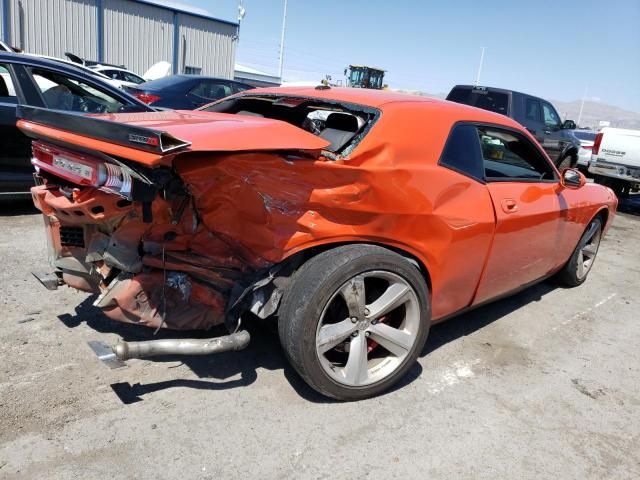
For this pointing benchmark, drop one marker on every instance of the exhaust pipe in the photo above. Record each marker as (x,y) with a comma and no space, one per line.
(50,281)
(186,346)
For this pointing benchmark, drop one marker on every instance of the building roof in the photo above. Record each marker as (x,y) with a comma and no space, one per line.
(178,7)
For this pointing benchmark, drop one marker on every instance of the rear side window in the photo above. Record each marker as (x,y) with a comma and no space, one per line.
(462,152)
(532,109)
(212,90)
(7,90)
(484,98)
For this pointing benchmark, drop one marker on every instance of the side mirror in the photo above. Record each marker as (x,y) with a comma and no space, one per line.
(569,125)
(572,178)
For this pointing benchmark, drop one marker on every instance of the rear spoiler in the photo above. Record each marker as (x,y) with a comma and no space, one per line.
(131,136)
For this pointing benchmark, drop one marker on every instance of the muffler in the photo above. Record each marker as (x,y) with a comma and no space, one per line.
(114,356)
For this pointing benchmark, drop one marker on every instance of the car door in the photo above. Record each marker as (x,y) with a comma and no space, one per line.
(15,166)
(524,189)
(552,142)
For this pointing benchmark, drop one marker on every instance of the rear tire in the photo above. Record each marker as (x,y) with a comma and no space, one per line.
(575,272)
(354,320)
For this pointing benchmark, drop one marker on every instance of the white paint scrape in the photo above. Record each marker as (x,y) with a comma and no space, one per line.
(453,375)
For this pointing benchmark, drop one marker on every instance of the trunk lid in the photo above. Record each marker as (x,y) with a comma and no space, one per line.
(152,138)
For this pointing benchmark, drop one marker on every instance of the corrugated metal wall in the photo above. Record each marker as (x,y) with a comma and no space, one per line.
(137,35)
(2,19)
(207,45)
(52,27)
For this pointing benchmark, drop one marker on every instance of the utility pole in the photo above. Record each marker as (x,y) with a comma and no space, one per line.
(284,26)
(586,87)
(480,66)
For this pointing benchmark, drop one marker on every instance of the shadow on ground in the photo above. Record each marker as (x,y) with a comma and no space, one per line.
(239,369)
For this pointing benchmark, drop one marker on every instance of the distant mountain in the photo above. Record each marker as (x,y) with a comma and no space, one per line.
(592,113)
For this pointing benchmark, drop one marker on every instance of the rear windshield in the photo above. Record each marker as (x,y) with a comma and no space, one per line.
(585,135)
(167,82)
(342,124)
(481,98)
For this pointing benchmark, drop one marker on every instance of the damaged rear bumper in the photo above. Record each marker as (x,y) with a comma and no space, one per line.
(144,273)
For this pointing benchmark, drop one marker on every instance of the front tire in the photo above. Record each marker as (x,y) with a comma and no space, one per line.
(567,162)
(575,272)
(354,320)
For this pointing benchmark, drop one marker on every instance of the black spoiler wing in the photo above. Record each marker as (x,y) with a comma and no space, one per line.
(132,136)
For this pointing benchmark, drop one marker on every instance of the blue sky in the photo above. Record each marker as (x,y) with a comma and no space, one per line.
(548,48)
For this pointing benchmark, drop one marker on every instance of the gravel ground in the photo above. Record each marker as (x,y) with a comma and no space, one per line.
(545,384)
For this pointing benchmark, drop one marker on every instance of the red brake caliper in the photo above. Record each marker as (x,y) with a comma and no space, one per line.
(371,344)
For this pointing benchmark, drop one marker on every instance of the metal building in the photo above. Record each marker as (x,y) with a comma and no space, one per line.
(134,33)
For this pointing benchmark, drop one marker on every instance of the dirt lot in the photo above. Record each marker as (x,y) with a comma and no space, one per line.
(545,384)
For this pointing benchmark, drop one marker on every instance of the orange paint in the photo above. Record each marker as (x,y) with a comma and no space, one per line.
(254,207)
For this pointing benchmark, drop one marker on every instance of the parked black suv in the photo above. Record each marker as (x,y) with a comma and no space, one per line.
(535,114)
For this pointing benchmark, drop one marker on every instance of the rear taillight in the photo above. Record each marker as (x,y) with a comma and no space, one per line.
(82,169)
(147,98)
(596,144)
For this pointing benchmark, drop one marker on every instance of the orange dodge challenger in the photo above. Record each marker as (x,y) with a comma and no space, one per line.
(355,218)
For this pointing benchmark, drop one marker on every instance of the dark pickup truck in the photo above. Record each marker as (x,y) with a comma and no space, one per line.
(535,114)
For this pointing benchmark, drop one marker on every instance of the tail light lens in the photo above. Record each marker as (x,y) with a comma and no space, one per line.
(596,144)
(82,169)
(147,98)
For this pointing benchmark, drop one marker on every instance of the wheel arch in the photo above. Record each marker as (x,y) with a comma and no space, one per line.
(305,254)
(262,295)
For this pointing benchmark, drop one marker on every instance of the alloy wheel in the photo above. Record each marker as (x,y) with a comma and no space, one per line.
(368,327)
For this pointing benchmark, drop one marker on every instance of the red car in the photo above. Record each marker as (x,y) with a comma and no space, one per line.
(355,218)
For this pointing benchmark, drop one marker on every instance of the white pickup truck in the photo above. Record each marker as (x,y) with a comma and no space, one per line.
(615,159)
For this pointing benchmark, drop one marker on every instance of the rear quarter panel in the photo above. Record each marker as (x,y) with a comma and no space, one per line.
(390,191)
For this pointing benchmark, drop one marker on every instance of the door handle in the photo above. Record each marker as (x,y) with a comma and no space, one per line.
(547,132)
(509,205)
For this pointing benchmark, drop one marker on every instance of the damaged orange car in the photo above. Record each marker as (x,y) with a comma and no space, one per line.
(355,218)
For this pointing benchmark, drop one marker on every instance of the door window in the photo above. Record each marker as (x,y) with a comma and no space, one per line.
(212,90)
(551,118)
(7,90)
(532,109)
(60,92)
(509,156)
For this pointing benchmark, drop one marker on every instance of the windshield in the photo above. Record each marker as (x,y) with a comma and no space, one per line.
(342,124)
(173,81)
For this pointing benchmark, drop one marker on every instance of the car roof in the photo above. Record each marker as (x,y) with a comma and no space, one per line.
(41,61)
(499,90)
(386,100)
(361,96)
(110,67)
